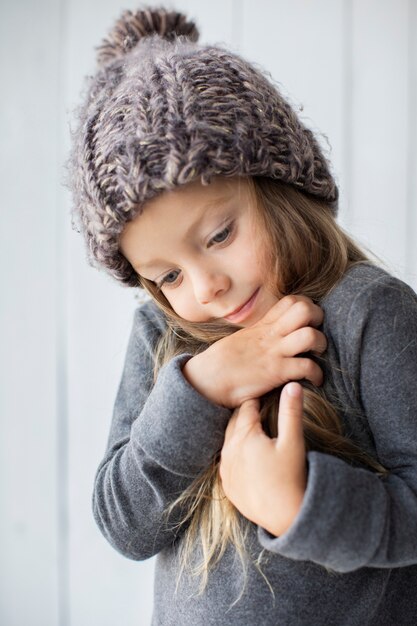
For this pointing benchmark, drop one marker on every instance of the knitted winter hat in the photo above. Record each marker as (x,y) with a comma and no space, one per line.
(162,111)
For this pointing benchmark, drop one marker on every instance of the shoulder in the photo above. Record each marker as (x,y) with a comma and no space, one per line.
(149,313)
(149,323)
(362,282)
(364,287)
(368,295)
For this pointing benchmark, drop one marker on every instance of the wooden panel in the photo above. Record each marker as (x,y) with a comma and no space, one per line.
(411,225)
(378,196)
(347,64)
(302,44)
(30,542)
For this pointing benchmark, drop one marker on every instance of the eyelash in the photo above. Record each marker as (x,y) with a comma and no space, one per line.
(227,229)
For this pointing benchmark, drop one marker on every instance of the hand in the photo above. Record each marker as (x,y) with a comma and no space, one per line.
(254,360)
(266,478)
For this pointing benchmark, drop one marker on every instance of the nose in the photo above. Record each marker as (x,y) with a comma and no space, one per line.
(209,285)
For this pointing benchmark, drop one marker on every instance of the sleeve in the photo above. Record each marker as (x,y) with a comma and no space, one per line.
(161,437)
(350,517)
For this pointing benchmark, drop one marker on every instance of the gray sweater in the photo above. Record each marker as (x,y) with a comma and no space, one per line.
(361,526)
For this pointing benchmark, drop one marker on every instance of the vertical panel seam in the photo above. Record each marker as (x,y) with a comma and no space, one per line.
(347,108)
(411,193)
(237,23)
(61,291)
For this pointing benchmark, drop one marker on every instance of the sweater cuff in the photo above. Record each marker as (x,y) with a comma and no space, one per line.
(340,522)
(178,427)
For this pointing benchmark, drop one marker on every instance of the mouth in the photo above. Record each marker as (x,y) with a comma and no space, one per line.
(239,314)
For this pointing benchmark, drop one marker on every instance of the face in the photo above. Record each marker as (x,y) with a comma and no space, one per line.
(198,245)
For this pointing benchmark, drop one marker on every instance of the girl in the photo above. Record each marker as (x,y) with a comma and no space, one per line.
(267,501)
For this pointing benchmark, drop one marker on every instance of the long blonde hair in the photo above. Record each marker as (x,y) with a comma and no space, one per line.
(308,253)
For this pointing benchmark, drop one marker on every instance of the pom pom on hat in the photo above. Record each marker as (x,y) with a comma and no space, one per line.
(131,27)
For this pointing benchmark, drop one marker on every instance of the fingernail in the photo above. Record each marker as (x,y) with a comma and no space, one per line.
(294,390)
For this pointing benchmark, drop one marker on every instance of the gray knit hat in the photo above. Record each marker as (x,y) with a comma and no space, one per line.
(162,111)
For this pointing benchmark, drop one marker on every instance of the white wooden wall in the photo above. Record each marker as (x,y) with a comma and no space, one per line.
(352,65)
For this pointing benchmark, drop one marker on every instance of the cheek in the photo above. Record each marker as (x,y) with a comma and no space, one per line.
(254,265)
(184,305)
(249,258)
(263,258)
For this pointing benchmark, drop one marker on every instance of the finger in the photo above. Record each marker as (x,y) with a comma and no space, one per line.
(290,416)
(283,305)
(301,313)
(306,339)
(300,367)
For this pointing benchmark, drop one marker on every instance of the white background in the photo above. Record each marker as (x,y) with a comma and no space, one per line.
(352,65)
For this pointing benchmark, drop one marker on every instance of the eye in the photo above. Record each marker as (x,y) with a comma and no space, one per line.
(168,279)
(222,235)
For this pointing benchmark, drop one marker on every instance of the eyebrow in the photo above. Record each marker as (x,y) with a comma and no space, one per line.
(193,226)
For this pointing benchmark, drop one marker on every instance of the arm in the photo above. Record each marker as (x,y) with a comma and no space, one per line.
(161,437)
(350,517)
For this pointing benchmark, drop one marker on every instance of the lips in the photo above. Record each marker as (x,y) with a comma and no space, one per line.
(243,311)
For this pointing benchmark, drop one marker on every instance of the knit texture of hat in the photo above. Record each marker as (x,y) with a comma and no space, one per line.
(162,111)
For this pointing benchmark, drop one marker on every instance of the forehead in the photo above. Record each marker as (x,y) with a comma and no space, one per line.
(199,195)
(174,215)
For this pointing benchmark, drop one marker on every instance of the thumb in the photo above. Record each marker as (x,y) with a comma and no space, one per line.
(243,417)
(290,415)
(248,412)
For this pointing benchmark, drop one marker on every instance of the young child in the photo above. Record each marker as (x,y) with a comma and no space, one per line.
(267,501)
